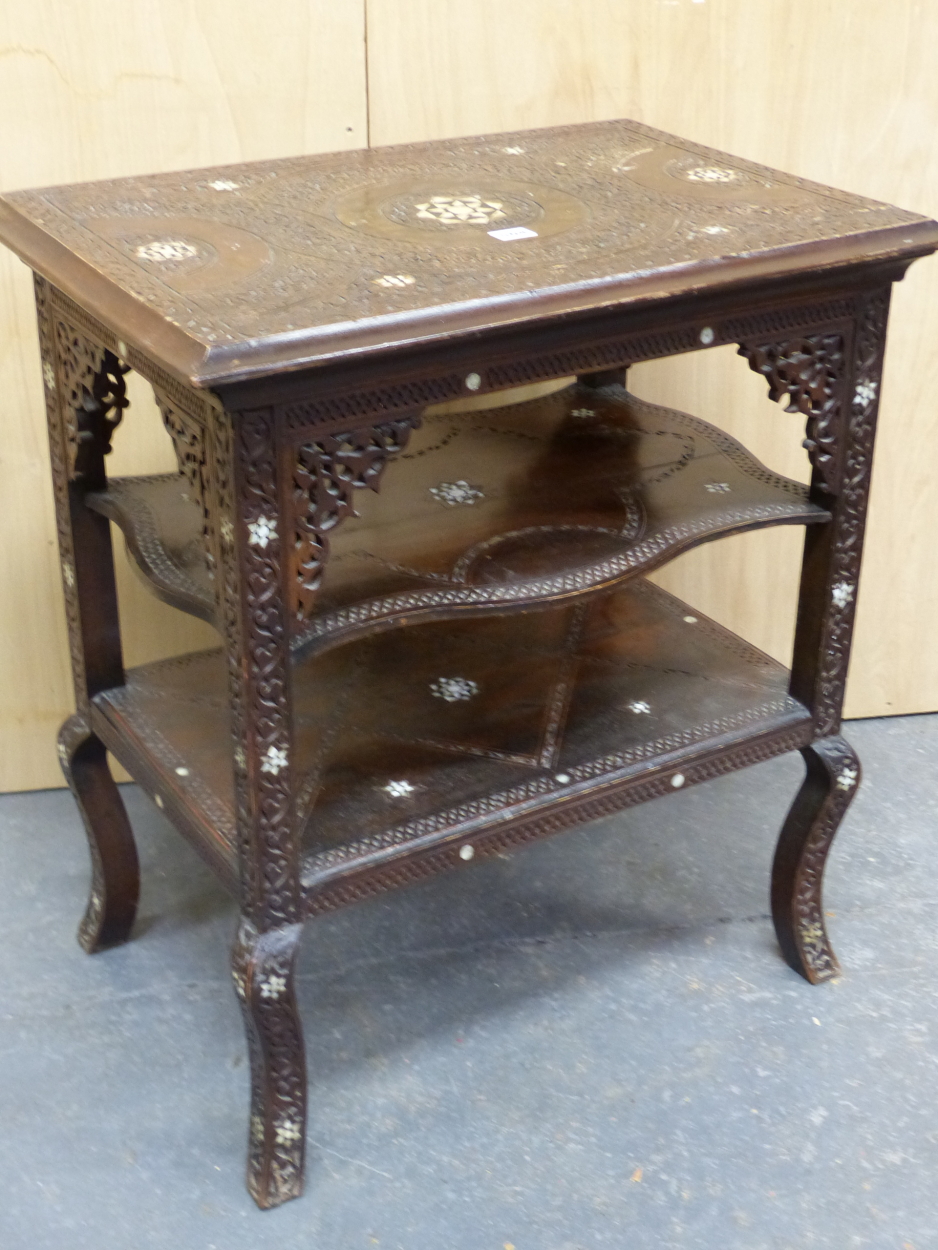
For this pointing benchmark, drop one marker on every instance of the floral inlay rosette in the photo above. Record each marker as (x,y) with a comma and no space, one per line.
(454,689)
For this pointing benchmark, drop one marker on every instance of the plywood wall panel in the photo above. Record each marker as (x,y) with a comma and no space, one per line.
(101,89)
(843,93)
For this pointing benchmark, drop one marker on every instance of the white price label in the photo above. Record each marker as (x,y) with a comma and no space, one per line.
(513,232)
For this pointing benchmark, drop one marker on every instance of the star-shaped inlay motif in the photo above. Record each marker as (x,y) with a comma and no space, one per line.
(273,986)
(274,760)
(842,593)
(711,173)
(166,249)
(848,777)
(262,531)
(456,494)
(454,689)
(470,210)
(399,789)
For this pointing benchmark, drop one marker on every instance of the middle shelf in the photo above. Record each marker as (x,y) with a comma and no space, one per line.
(503,509)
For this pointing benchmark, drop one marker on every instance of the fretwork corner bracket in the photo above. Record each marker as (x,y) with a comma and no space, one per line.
(326,473)
(190,443)
(90,380)
(810,370)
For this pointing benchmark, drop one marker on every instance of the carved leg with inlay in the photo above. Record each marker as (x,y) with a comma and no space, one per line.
(115,872)
(85,400)
(263,969)
(797,908)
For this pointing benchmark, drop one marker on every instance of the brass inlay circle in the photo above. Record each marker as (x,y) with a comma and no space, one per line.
(458,210)
(706,179)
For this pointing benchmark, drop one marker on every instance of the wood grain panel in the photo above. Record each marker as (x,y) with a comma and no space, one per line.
(97,90)
(845,94)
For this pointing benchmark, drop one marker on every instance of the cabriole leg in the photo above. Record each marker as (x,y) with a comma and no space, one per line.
(833,774)
(115,872)
(263,969)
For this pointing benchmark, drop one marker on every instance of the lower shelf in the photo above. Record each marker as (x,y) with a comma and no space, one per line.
(417,749)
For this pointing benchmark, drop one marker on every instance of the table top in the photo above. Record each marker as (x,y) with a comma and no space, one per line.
(244,270)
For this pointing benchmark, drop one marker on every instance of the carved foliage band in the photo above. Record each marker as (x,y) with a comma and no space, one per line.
(326,474)
(258,660)
(809,371)
(861,400)
(61,454)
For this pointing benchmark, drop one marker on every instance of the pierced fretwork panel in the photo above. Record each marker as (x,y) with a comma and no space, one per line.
(809,371)
(326,473)
(94,396)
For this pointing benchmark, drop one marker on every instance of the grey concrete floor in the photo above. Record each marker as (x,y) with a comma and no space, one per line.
(593,1043)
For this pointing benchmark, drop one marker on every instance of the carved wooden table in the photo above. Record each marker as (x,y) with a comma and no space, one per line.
(469,659)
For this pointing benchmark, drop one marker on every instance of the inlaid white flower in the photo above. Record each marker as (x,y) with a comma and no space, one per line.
(639,705)
(395,280)
(456,494)
(68,574)
(717,488)
(227,531)
(866,393)
(223,184)
(453,689)
(841,594)
(399,789)
(847,777)
(257,1128)
(262,531)
(48,375)
(710,173)
(286,1132)
(240,758)
(241,988)
(274,760)
(274,986)
(583,412)
(166,249)
(453,209)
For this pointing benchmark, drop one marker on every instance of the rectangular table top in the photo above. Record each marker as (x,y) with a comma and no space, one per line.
(244,270)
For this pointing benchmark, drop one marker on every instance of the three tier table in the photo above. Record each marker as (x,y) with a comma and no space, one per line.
(436,642)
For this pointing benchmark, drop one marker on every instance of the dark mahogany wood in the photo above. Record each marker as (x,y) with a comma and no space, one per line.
(436,642)
(115,871)
(263,967)
(833,775)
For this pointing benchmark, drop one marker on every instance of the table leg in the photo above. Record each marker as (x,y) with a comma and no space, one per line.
(115,872)
(85,400)
(253,532)
(833,774)
(833,376)
(263,967)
